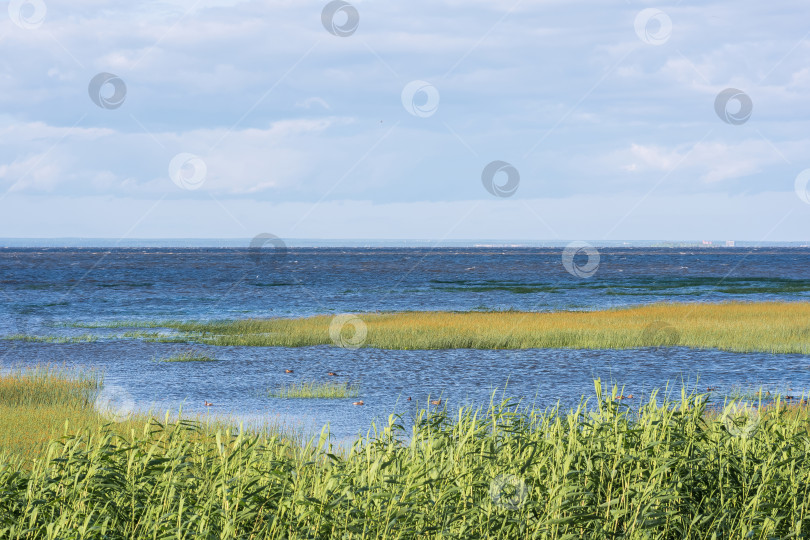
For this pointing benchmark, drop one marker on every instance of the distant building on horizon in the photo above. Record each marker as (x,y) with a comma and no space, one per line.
(729,243)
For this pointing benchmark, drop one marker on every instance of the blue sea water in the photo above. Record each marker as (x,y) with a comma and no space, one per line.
(45,288)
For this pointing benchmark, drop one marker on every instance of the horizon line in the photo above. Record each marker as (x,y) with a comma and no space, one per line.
(234,242)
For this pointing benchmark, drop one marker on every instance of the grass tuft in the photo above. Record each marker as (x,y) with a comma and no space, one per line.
(316,389)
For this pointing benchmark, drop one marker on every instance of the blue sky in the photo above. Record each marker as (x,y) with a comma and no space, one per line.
(605,109)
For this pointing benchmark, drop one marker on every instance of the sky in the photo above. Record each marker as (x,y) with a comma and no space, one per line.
(434,120)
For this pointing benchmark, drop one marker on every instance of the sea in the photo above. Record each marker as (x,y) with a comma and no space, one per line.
(46,291)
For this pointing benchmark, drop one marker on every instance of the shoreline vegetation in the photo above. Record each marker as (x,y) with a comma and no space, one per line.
(671,468)
(771,327)
(85,338)
(43,403)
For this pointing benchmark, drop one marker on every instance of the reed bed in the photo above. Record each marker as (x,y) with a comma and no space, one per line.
(773,327)
(666,470)
(316,390)
(48,385)
(46,402)
(35,403)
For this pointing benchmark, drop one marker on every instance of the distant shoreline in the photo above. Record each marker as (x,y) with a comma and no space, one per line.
(22,243)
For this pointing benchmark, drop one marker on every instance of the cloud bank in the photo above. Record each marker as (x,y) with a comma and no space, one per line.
(380,123)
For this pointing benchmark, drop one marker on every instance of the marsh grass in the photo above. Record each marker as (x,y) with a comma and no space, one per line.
(84,338)
(665,470)
(47,402)
(36,402)
(140,334)
(316,390)
(113,324)
(48,385)
(773,327)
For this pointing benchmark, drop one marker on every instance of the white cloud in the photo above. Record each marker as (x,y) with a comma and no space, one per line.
(711,161)
(31,173)
(73,160)
(281,110)
(310,101)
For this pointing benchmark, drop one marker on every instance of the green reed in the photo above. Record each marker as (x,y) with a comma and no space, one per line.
(316,389)
(670,469)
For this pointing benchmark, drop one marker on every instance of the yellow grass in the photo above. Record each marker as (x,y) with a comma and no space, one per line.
(775,327)
(26,431)
(45,403)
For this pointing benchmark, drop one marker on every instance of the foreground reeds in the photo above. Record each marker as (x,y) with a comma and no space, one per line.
(773,327)
(671,469)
